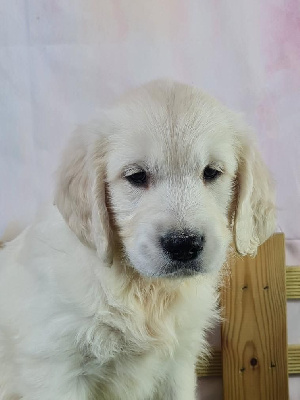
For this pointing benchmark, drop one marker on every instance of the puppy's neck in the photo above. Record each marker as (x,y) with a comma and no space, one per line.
(148,290)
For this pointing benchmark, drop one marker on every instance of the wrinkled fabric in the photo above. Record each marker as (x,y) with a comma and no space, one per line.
(61,61)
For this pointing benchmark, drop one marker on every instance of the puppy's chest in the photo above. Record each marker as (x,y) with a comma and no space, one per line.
(137,345)
(143,339)
(143,331)
(158,327)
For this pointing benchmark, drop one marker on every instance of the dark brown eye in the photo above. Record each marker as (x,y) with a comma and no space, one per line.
(210,174)
(138,178)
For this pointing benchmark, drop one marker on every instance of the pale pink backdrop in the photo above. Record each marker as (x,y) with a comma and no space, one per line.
(62,60)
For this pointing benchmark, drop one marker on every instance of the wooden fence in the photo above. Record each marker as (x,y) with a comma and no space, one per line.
(255,360)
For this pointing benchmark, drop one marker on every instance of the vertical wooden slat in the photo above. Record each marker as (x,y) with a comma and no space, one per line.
(254,333)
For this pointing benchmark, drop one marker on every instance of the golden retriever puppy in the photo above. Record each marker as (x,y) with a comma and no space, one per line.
(109,293)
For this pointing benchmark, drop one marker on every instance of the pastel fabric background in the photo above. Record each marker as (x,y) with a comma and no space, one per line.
(62,60)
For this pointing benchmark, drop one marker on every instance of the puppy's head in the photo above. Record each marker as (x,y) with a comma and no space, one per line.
(172,174)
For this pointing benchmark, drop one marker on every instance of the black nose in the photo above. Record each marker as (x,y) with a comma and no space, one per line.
(182,245)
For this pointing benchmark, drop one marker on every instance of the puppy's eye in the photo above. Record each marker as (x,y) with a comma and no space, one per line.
(210,174)
(138,178)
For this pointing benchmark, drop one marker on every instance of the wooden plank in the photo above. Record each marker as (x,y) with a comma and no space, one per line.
(213,367)
(254,334)
(294,359)
(293,282)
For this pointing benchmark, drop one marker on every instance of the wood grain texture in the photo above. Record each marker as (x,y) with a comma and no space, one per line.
(294,359)
(254,336)
(293,282)
(214,365)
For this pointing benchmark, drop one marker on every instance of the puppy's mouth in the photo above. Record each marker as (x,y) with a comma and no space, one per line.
(180,269)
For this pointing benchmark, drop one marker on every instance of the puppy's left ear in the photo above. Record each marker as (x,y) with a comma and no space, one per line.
(81,190)
(255,212)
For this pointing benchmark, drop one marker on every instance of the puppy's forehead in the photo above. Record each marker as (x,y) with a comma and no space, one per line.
(171,124)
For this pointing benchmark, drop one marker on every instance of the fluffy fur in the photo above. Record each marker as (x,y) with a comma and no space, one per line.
(90,305)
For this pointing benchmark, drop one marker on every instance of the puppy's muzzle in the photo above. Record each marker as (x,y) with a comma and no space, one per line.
(182,245)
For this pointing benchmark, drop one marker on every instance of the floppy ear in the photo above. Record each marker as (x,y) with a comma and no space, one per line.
(255,212)
(80,192)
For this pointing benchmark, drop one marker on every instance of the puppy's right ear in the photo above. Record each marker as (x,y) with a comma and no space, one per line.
(80,192)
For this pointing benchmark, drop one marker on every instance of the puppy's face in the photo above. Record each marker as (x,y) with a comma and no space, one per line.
(170,174)
(168,157)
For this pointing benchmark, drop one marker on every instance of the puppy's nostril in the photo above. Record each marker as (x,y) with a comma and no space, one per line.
(182,246)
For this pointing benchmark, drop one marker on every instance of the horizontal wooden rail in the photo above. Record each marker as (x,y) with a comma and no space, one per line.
(293,283)
(294,359)
(213,367)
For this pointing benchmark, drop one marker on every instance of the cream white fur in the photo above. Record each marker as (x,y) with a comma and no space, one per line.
(87,308)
